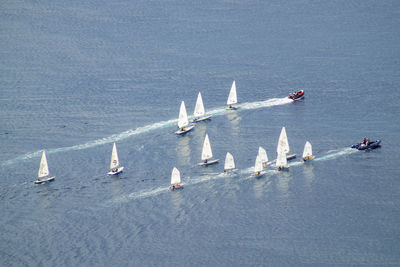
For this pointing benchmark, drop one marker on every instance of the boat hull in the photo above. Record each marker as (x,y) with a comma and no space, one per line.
(118,171)
(258,175)
(282,169)
(176,187)
(297,95)
(185,130)
(371,145)
(308,158)
(232,108)
(202,119)
(45,180)
(210,162)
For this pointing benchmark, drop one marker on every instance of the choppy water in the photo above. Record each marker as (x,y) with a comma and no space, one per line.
(76,77)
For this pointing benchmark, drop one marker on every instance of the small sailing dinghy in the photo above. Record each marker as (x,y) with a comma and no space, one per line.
(258,168)
(307,153)
(232,98)
(183,122)
(199,111)
(206,154)
(175,179)
(283,145)
(44,174)
(281,162)
(229,165)
(114,165)
(262,153)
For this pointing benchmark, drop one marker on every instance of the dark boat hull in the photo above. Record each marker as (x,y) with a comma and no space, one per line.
(297,95)
(371,145)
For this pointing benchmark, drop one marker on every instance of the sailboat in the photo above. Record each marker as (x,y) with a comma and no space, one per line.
(44,174)
(262,153)
(114,165)
(258,167)
(229,165)
(283,145)
(232,98)
(281,162)
(206,154)
(175,179)
(307,153)
(183,122)
(199,111)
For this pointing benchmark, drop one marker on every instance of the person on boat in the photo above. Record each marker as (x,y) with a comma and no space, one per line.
(205,161)
(364,141)
(367,142)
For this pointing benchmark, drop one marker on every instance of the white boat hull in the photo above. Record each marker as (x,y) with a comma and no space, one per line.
(45,180)
(185,130)
(232,108)
(210,162)
(202,119)
(118,171)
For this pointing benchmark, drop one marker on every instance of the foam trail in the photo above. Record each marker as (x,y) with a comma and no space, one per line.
(148,128)
(244,173)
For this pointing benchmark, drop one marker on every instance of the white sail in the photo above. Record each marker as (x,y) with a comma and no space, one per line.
(281,160)
(44,168)
(199,109)
(207,152)
(307,150)
(229,162)
(232,98)
(114,158)
(183,118)
(283,144)
(258,166)
(262,153)
(175,176)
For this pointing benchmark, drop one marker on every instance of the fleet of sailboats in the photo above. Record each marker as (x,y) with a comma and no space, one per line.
(183,121)
(282,150)
(44,173)
(114,164)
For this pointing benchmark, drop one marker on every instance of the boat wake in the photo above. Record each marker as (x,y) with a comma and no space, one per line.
(244,174)
(145,129)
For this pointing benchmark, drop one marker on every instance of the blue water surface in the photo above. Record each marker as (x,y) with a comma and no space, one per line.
(76,76)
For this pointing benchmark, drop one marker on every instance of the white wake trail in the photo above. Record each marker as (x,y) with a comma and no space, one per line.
(145,129)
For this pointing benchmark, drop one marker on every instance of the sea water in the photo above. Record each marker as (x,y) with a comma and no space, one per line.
(77,76)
